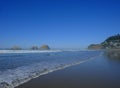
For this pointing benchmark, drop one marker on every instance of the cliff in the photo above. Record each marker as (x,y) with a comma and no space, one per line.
(112,42)
(95,46)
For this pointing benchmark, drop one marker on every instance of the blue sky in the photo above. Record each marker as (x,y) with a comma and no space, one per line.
(58,23)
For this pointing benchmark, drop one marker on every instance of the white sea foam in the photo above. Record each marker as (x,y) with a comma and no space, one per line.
(39,51)
(28,51)
(14,77)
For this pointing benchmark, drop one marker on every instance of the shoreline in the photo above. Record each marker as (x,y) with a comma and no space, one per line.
(19,82)
(96,73)
(15,78)
(54,70)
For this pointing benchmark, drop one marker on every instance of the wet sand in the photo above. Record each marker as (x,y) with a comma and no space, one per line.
(101,72)
(113,53)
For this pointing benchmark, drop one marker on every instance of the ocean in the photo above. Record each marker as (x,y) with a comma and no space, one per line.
(17,68)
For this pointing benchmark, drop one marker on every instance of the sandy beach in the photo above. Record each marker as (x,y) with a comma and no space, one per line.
(100,72)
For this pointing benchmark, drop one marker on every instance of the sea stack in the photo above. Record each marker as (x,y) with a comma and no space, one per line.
(44,47)
(16,48)
(34,48)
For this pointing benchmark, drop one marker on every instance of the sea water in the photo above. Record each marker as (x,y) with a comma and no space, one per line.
(17,68)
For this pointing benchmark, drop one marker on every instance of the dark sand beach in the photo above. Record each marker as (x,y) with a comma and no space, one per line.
(100,72)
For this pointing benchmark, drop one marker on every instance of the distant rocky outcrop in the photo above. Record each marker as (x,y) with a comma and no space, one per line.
(112,42)
(44,47)
(95,46)
(34,48)
(16,48)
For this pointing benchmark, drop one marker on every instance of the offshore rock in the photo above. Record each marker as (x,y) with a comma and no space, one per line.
(44,47)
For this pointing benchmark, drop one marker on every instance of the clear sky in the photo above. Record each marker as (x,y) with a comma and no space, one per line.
(58,23)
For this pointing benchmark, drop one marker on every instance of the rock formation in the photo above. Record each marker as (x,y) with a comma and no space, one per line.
(44,47)
(34,48)
(16,48)
(95,46)
(112,42)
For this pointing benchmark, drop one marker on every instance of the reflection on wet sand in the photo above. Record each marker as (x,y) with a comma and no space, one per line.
(113,54)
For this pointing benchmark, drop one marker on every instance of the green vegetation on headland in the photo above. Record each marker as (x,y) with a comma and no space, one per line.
(112,42)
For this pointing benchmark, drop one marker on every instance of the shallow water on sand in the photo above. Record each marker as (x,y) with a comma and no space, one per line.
(101,72)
